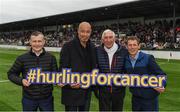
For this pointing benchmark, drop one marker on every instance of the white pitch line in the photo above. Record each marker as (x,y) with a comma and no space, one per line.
(161,63)
(5,64)
(4,81)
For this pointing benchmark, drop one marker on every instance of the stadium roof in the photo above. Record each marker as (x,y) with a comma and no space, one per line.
(142,8)
(18,10)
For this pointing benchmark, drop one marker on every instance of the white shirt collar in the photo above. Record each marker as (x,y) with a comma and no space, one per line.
(37,54)
(112,49)
(111,52)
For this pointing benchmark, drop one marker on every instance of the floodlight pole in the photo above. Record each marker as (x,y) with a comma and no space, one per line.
(118,26)
(174,21)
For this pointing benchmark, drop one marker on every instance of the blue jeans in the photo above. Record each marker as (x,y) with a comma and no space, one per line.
(33,105)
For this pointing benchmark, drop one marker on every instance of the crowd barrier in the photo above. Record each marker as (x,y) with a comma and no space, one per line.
(157,54)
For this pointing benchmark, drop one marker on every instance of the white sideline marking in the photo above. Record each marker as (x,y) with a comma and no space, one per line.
(162,63)
(4,81)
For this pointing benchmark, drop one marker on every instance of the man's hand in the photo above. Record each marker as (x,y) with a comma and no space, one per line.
(60,85)
(25,83)
(75,86)
(160,90)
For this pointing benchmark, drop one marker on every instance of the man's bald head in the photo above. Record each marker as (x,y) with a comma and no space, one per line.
(84,32)
(84,24)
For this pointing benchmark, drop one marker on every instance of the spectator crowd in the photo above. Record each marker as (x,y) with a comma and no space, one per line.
(153,35)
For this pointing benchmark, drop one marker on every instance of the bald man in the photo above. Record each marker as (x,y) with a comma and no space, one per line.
(79,55)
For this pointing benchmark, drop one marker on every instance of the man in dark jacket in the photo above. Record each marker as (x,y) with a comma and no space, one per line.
(143,99)
(110,59)
(34,96)
(79,55)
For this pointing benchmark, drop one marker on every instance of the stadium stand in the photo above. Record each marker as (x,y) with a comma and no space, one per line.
(155,26)
(157,35)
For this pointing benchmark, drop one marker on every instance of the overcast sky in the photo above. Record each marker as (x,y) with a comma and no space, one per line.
(16,10)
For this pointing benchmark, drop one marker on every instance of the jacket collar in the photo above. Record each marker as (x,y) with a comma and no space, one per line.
(32,53)
(79,46)
(119,47)
(78,41)
(139,57)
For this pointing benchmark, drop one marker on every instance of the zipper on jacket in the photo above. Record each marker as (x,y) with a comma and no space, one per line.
(37,60)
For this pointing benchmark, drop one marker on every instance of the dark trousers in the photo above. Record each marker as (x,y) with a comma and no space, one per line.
(139,104)
(84,107)
(75,108)
(111,101)
(33,105)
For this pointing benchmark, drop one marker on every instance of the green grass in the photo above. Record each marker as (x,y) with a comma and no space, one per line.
(11,94)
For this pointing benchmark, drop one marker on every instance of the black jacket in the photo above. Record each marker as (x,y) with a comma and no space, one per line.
(29,60)
(72,56)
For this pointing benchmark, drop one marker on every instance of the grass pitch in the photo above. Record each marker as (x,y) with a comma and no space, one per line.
(11,94)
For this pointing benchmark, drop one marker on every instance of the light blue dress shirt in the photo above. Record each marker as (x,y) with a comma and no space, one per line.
(133,60)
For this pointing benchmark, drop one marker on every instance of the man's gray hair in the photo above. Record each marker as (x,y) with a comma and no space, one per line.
(107,30)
